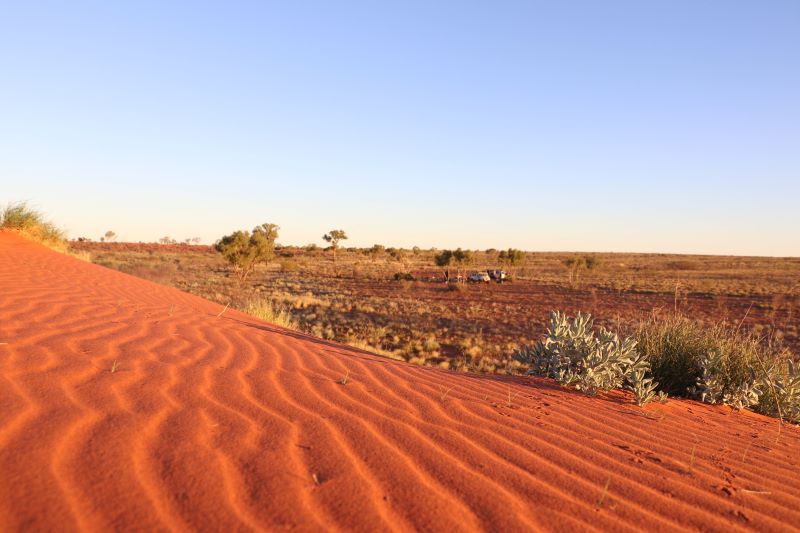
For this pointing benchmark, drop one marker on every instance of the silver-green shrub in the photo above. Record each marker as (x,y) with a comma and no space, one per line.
(641,383)
(572,354)
(781,391)
(714,386)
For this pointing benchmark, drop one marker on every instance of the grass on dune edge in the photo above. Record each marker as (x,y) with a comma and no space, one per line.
(269,311)
(32,224)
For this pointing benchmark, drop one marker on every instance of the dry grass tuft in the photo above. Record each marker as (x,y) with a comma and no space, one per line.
(32,224)
(676,346)
(268,311)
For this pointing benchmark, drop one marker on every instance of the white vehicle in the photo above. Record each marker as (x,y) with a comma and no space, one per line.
(477,277)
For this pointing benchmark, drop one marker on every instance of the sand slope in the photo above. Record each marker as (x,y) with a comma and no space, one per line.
(212,423)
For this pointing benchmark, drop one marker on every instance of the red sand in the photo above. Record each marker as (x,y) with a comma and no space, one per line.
(213,423)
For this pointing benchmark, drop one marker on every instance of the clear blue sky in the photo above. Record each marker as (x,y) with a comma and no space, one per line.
(668,126)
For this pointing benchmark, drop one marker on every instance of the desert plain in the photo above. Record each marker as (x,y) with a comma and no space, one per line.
(128,404)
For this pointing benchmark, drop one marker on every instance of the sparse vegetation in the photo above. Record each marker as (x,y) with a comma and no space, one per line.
(270,312)
(575,263)
(714,365)
(781,391)
(602,498)
(683,352)
(511,258)
(477,328)
(32,224)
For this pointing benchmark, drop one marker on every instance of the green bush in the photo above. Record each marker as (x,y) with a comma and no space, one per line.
(511,257)
(245,250)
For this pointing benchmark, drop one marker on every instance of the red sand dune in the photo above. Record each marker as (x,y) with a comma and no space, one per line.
(221,423)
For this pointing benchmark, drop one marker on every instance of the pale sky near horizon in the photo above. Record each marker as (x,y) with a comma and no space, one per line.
(665,126)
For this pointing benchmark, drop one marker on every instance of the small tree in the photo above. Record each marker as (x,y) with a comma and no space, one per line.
(333,237)
(245,250)
(443,260)
(109,236)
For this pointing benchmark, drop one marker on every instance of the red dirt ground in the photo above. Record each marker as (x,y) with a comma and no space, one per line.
(225,422)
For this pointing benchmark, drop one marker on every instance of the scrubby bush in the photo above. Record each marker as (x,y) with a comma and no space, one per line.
(592,262)
(458,257)
(463,257)
(573,354)
(511,257)
(443,259)
(32,224)
(720,364)
(682,352)
(245,250)
(376,251)
(395,253)
(574,264)
(404,276)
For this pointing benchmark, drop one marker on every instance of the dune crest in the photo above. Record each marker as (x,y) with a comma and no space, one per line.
(125,404)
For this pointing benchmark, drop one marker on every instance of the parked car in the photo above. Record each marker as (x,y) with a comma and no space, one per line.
(498,275)
(479,277)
